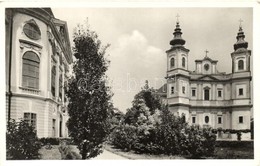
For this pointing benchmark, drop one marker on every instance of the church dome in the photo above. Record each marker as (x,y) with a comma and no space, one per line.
(177,40)
(241,43)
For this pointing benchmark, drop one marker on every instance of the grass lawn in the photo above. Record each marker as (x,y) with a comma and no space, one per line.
(220,153)
(234,153)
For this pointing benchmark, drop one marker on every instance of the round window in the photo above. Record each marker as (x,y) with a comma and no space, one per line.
(206,67)
(32,31)
(206,119)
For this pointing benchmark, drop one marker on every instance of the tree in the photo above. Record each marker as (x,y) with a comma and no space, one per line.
(115,118)
(89,96)
(145,103)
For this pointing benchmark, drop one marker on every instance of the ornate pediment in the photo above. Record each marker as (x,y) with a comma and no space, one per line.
(207,78)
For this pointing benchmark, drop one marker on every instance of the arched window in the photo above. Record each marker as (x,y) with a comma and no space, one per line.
(183,62)
(240,65)
(53,80)
(61,86)
(30,73)
(32,30)
(172,62)
(206,119)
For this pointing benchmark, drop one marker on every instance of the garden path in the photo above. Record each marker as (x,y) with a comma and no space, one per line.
(106,155)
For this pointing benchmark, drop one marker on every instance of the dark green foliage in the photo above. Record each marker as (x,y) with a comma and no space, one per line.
(232,131)
(54,141)
(21,141)
(151,128)
(88,94)
(199,142)
(66,152)
(170,133)
(49,140)
(145,98)
(172,136)
(124,137)
(235,144)
(115,118)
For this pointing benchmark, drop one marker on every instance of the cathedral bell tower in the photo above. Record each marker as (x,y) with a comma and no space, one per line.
(178,74)
(240,56)
(241,83)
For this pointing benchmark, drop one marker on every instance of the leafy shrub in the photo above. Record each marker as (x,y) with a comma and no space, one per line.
(199,142)
(172,136)
(21,141)
(124,137)
(66,152)
(170,133)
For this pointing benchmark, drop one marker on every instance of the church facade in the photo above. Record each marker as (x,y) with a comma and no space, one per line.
(207,97)
(38,55)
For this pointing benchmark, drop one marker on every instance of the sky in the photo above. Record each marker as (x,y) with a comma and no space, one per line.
(139,38)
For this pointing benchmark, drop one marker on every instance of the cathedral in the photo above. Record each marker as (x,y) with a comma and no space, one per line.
(207,97)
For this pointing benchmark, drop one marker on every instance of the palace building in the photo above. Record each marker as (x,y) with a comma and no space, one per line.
(38,54)
(207,97)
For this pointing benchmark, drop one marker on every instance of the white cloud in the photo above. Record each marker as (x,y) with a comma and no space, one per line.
(133,61)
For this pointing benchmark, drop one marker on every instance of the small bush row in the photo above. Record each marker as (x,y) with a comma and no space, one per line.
(49,140)
(235,144)
(54,141)
(232,131)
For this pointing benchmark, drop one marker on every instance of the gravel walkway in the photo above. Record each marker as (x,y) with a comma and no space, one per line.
(106,155)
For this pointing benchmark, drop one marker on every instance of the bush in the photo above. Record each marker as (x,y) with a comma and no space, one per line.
(49,140)
(172,136)
(124,137)
(21,141)
(199,142)
(235,144)
(66,152)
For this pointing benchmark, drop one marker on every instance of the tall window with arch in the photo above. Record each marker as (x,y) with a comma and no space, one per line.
(240,64)
(172,62)
(183,62)
(30,70)
(53,80)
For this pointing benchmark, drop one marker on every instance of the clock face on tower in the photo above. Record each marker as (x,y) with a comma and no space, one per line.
(206,67)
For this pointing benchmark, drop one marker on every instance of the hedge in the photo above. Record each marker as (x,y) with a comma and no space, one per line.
(235,144)
(54,141)
(232,131)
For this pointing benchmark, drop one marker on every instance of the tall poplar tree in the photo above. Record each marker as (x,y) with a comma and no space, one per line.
(89,96)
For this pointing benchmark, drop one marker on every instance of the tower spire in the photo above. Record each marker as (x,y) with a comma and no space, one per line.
(241,43)
(240,23)
(177,39)
(206,51)
(177,17)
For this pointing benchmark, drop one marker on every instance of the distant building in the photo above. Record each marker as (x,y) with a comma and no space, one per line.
(205,96)
(38,54)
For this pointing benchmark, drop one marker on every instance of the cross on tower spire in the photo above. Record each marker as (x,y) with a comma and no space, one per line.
(206,52)
(177,16)
(240,22)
